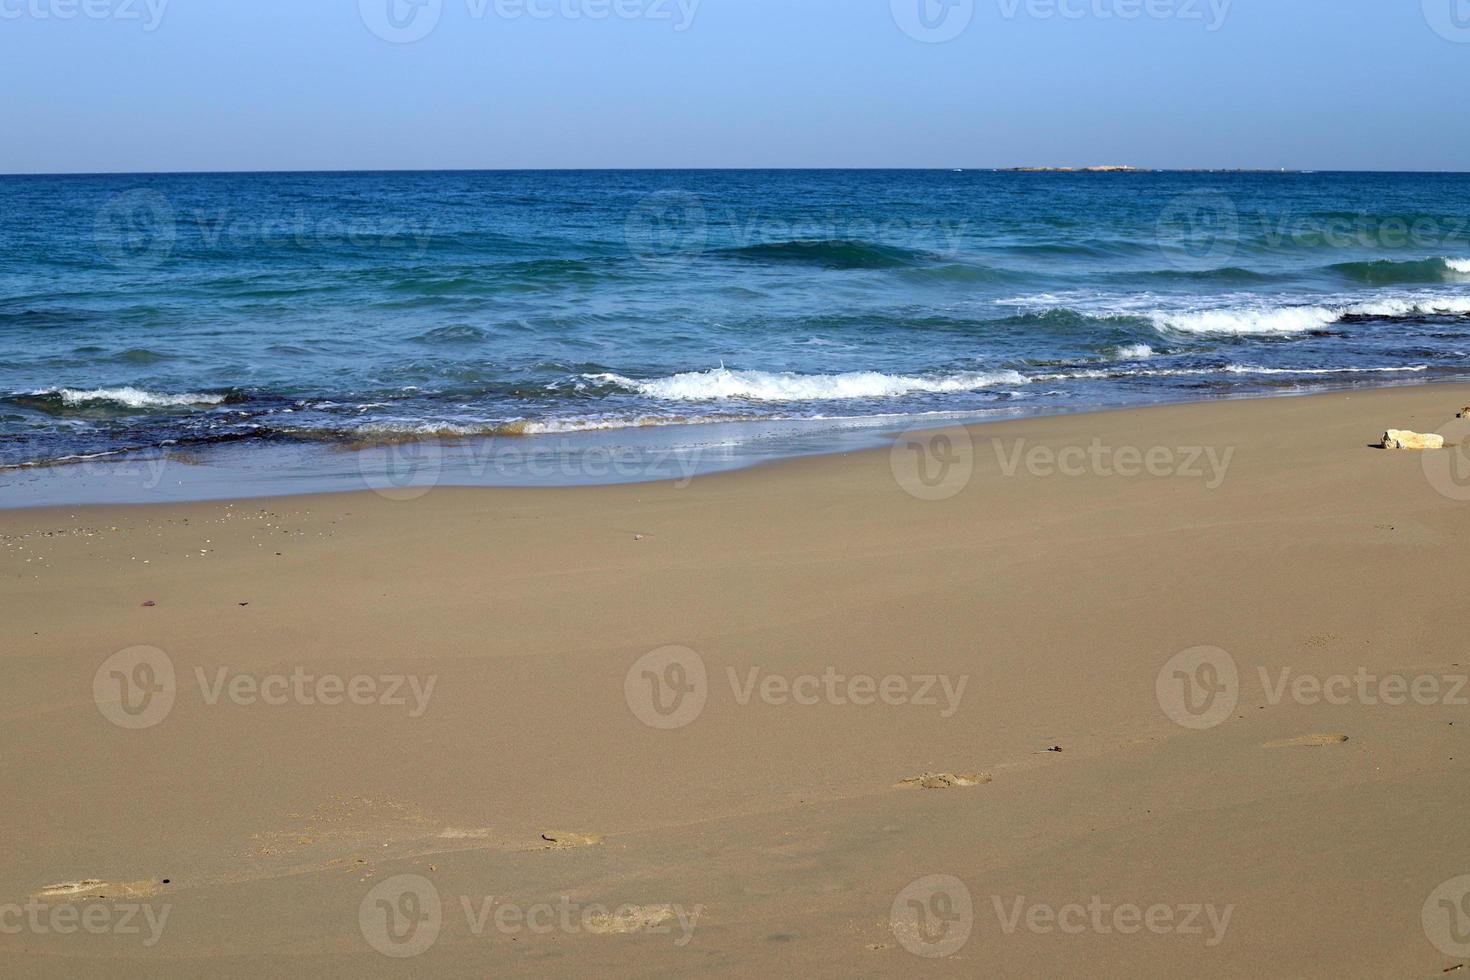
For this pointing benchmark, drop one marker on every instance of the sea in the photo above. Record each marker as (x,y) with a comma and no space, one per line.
(275,330)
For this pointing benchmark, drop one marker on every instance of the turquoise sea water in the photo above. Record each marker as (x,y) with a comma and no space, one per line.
(148,314)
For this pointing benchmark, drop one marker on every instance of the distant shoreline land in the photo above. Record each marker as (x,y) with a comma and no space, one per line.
(1117,169)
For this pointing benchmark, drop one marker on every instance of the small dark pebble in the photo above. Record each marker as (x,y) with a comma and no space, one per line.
(150,602)
(1055,748)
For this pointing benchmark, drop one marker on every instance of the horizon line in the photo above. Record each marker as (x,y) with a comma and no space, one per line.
(1082,169)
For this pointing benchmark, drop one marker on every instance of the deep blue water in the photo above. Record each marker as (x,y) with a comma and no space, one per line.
(148,312)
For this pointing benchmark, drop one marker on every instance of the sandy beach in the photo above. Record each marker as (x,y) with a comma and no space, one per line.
(1174,691)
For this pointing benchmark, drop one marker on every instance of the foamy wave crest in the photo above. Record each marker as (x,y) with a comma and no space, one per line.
(787,387)
(1300,319)
(1097,374)
(130,397)
(1264,320)
(1250,369)
(1458,265)
(1413,306)
(409,431)
(1134,352)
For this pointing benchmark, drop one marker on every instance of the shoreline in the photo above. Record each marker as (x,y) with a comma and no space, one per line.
(637,455)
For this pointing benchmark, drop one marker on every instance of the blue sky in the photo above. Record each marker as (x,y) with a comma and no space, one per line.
(143,85)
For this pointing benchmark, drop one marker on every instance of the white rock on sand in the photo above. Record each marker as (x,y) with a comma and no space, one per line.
(1400,439)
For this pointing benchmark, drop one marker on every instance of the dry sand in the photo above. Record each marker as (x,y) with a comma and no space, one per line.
(552,832)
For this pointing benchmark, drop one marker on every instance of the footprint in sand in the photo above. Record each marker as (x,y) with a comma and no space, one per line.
(1306,740)
(466,833)
(71,889)
(96,888)
(945,780)
(564,838)
(631,918)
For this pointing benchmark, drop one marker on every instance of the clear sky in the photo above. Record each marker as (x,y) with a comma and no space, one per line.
(144,85)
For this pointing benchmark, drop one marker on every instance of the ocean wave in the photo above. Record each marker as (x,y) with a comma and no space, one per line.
(126,397)
(1248,320)
(409,431)
(1095,248)
(830,254)
(1109,374)
(462,333)
(1249,369)
(960,273)
(140,355)
(1228,275)
(1411,306)
(1383,272)
(721,383)
(1268,320)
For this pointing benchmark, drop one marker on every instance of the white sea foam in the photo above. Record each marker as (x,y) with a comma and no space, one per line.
(1413,306)
(1250,369)
(1241,314)
(131,397)
(1101,374)
(1458,265)
(1299,319)
(777,387)
(1135,352)
(1249,320)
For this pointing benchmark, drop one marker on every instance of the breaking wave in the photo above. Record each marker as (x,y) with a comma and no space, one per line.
(786,386)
